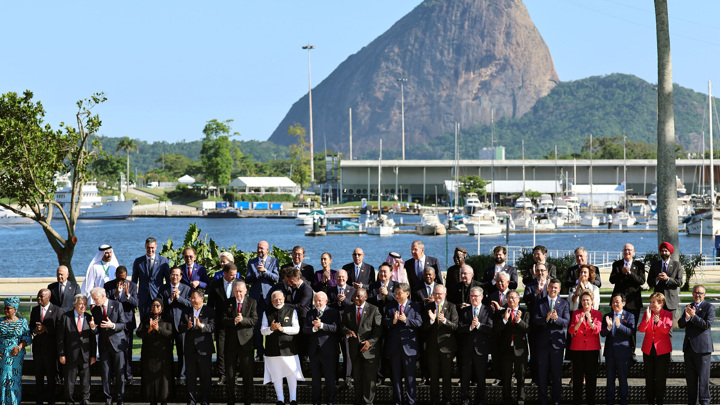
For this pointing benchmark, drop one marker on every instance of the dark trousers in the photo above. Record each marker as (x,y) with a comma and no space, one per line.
(403,366)
(179,339)
(440,365)
(513,363)
(244,356)
(697,376)
(585,367)
(633,338)
(477,363)
(112,367)
(323,366)
(128,353)
(44,367)
(198,365)
(345,369)
(617,367)
(71,374)
(656,371)
(256,331)
(364,374)
(220,349)
(549,362)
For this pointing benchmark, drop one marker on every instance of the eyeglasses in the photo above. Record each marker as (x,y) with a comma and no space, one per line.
(698,293)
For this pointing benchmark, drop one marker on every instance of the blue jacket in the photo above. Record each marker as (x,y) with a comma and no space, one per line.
(261,283)
(402,336)
(550,332)
(149,281)
(199,274)
(618,345)
(115,336)
(697,329)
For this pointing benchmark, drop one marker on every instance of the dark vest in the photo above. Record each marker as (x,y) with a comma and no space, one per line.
(278,343)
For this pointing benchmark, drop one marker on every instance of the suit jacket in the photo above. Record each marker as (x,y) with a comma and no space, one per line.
(45,344)
(620,344)
(657,334)
(670,287)
(174,309)
(324,342)
(220,274)
(243,330)
(439,336)
(301,301)
(402,336)
(366,276)
(552,332)
(461,293)
(452,276)
(572,276)
(128,300)
(629,284)
(516,330)
(586,337)
(111,338)
(530,295)
(369,330)
(149,280)
(307,271)
(420,293)
(217,297)
(552,273)
(332,294)
(71,289)
(477,340)
(487,278)
(77,347)
(198,339)
(374,290)
(199,274)
(495,296)
(698,335)
(413,278)
(261,283)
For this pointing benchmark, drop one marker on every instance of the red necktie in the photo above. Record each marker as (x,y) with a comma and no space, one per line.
(401,308)
(512,320)
(359,313)
(80,324)
(105,313)
(239,307)
(190,273)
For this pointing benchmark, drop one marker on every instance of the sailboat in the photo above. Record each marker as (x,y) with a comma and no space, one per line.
(380,225)
(590,219)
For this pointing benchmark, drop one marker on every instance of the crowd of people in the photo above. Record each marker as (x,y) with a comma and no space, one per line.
(381,323)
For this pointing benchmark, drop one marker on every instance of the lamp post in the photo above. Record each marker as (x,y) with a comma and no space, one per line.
(312,154)
(402,112)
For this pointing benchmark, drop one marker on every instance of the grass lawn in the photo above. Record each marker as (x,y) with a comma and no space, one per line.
(154,191)
(140,199)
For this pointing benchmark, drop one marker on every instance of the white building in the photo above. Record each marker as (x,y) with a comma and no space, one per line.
(263,185)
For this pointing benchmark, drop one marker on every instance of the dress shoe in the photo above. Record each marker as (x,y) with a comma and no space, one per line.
(280,403)
(120,403)
(293,402)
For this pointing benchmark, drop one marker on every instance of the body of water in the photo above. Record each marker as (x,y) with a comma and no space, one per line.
(27,253)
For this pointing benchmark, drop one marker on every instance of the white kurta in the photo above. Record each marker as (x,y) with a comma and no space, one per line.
(97,276)
(279,367)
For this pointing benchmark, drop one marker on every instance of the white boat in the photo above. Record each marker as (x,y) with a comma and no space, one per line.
(300,216)
(8,217)
(638,206)
(707,223)
(92,206)
(524,203)
(484,222)
(543,223)
(306,218)
(472,204)
(590,220)
(610,207)
(546,204)
(624,219)
(430,225)
(380,225)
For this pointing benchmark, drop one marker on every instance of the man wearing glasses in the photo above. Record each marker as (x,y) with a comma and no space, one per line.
(360,274)
(697,320)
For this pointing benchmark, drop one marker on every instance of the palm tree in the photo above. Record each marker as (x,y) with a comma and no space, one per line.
(667,186)
(128,145)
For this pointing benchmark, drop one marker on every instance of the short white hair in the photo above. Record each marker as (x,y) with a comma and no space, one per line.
(97,292)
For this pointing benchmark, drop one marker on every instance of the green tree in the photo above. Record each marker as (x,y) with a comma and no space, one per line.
(127,145)
(32,155)
(299,156)
(216,156)
(472,184)
(108,168)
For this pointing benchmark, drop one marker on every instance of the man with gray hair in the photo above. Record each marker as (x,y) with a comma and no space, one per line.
(460,295)
(112,343)
(402,320)
(581,258)
(475,326)
(321,326)
(77,348)
(238,319)
(440,320)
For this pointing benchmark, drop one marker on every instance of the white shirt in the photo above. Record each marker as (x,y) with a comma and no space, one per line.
(320,310)
(476,312)
(498,269)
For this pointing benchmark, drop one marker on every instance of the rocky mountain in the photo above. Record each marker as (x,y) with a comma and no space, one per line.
(461,58)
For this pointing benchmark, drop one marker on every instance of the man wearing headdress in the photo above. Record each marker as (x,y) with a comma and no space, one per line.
(100,271)
(666,277)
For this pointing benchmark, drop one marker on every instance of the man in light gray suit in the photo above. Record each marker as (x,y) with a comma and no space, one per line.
(262,273)
(666,277)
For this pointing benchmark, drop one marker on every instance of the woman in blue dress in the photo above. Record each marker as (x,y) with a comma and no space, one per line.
(14,337)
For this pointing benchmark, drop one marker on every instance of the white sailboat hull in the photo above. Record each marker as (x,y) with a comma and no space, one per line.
(484,229)
(710,226)
(590,221)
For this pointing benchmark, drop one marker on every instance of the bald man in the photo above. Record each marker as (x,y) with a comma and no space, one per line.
(43,321)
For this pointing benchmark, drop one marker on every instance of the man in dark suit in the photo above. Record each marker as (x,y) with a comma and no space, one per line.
(321,326)
(550,319)
(415,267)
(540,257)
(307,270)
(489,279)
(382,290)
(44,319)
(220,291)
(581,259)
(538,287)
(340,298)
(176,297)
(193,274)
(460,296)
(423,292)
(697,320)
(112,343)
(125,292)
(238,319)
(301,296)
(262,273)
(666,277)
(440,320)
(362,326)
(403,320)
(62,292)
(360,274)
(498,298)
(76,348)
(452,275)
(618,330)
(628,276)
(149,272)
(475,327)
(198,325)
(511,327)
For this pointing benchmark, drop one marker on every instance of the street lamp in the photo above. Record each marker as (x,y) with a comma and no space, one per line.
(312,157)
(402,112)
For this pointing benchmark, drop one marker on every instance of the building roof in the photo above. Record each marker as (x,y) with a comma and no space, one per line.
(186,179)
(262,182)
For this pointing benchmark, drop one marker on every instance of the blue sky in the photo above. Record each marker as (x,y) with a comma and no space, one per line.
(168,67)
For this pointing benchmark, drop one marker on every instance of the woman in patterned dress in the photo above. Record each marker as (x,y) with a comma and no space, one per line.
(14,337)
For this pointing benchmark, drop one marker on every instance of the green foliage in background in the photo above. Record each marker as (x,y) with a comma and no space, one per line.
(688,262)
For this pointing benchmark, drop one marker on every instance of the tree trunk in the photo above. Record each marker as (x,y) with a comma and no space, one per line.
(666,173)
(64,252)
(127,178)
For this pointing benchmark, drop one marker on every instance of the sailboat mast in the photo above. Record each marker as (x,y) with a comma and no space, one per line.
(591,176)
(492,170)
(380,181)
(712,163)
(457,169)
(523,171)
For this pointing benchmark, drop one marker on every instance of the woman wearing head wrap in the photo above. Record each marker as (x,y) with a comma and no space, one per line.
(398,273)
(156,358)
(14,336)
(100,271)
